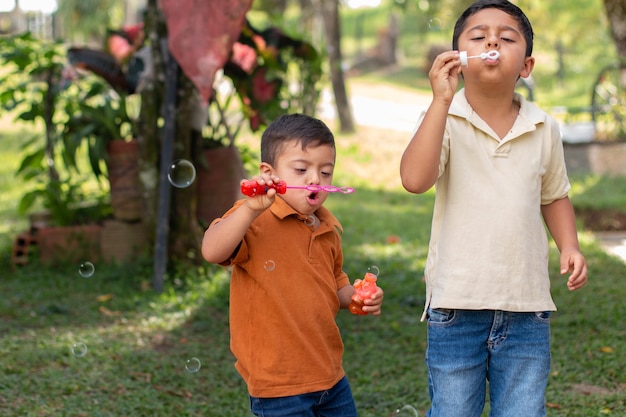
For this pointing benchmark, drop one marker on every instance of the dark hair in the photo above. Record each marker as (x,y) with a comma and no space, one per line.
(307,130)
(508,8)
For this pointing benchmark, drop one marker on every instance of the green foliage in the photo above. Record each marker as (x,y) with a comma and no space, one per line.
(96,115)
(64,200)
(79,118)
(87,20)
(31,77)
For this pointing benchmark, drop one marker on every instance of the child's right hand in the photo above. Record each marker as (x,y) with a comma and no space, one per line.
(444,75)
(261,202)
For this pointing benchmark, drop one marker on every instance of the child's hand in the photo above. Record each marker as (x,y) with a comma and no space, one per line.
(574,262)
(444,75)
(261,202)
(374,304)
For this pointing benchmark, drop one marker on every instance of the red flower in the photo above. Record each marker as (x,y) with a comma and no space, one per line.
(263,90)
(244,56)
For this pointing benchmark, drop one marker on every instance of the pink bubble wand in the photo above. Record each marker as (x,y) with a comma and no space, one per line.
(252,188)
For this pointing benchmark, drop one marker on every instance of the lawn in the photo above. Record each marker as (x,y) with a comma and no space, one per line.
(107,345)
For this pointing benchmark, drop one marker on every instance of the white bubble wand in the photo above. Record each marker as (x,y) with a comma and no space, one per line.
(493,54)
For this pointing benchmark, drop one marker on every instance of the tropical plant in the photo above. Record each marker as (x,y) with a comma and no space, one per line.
(37,89)
(96,117)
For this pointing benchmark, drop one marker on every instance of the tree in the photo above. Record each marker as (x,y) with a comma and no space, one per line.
(616,13)
(330,14)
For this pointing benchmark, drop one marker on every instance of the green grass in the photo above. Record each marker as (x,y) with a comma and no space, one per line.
(599,192)
(139,342)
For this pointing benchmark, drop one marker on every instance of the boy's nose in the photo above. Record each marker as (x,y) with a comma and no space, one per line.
(314,178)
(492,42)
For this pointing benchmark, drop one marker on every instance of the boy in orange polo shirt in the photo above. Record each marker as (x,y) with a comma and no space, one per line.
(287,279)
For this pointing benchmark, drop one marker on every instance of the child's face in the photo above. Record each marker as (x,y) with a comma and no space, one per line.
(493,29)
(311,166)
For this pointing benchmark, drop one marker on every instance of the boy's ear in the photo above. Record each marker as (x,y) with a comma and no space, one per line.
(266,168)
(529,64)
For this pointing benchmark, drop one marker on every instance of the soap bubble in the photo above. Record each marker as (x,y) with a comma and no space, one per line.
(79,349)
(435,24)
(406,411)
(373,270)
(193,365)
(181,173)
(310,220)
(86,269)
(269,265)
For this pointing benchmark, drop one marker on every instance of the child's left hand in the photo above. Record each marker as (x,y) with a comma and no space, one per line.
(373,305)
(574,262)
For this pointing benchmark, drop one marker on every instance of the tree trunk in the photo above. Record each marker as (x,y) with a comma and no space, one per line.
(616,14)
(185,233)
(330,14)
(148,136)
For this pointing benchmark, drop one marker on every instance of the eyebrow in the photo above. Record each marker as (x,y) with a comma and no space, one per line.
(500,27)
(308,162)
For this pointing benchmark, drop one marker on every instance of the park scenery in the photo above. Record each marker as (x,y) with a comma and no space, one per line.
(114,159)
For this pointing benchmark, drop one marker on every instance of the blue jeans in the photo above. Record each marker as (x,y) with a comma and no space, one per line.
(468,348)
(334,402)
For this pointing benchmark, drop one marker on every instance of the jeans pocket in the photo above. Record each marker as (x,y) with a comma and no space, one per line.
(440,316)
(542,316)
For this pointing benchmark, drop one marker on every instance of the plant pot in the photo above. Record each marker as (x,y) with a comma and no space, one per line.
(123,169)
(218,176)
(62,244)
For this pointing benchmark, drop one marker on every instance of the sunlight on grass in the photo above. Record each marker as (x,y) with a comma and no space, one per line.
(599,192)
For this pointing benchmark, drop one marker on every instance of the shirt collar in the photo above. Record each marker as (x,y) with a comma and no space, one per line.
(281,209)
(529,114)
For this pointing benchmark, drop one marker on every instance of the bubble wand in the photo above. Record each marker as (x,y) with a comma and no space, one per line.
(493,54)
(252,188)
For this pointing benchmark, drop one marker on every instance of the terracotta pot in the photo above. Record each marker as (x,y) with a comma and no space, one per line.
(123,168)
(218,176)
(68,243)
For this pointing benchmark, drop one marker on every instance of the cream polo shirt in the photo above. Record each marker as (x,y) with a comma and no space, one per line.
(489,246)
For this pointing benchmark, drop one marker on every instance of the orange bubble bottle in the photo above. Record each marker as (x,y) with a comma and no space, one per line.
(363,289)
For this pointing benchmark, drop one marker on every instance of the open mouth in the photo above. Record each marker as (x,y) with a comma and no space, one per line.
(313,198)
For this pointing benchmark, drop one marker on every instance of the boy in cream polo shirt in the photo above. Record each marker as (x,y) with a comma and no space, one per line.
(497,163)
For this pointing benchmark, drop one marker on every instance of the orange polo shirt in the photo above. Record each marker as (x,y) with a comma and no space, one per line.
(283,303)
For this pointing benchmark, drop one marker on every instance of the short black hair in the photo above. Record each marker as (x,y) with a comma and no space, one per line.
(508,8)
(307,130)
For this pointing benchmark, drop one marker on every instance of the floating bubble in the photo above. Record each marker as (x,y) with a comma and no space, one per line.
(86,269)
(193,365)
(435,24)
(406,411)
(181,173)
(79,349)
(310,220)
(373,270)
(269,265)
